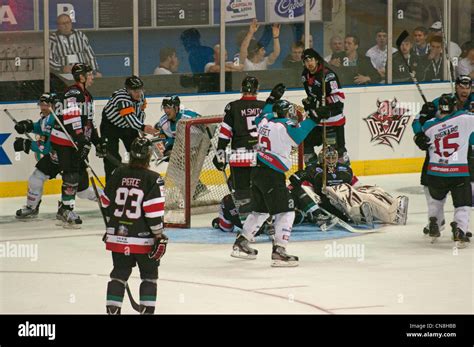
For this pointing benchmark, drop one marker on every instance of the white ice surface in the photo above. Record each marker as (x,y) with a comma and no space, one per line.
(401,272)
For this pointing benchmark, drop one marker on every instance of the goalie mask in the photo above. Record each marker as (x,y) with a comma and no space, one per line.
(331,156)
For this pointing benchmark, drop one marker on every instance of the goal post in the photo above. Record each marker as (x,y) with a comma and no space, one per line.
(192,183)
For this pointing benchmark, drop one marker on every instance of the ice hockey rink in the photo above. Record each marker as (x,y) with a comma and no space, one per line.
(392,270)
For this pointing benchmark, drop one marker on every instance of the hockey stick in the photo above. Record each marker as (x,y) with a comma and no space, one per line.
(75,146)
(399,42)
(134,304)
(446,52)
(323,103)
(16,122)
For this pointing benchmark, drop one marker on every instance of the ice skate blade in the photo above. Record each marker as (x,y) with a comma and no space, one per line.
(71,226)
(243,255)
(282,263)
(27,218)
(460,244)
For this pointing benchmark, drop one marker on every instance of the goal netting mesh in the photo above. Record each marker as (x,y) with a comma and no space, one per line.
(192,183)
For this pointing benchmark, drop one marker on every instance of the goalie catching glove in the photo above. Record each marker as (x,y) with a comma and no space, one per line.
(159,248)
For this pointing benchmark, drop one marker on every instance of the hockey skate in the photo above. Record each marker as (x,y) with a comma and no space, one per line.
(460,238)
(241,249)
(434,231)
(215,223)
(67,218)
(282,259)
(426,229)
(27,212)
(402,210)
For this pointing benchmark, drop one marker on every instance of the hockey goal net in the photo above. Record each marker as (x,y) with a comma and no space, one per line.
(192,183)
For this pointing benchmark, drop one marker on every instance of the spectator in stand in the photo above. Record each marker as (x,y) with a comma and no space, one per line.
(437,30)
(465,65)
(337,47)
(252,53)
(433,70)
(352,67)
(293,60)
(378,53)
(215,65)
(400,70)
(169,62)
(310,40)
(421,47)
(68,47)
(199,55)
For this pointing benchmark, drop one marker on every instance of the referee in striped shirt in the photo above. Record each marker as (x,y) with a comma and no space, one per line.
(122,119)
(68,46)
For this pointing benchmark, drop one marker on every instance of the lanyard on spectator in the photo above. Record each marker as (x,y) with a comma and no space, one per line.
(436,68)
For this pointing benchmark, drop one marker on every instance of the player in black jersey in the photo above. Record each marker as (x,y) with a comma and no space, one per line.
(122,119)
(334,104)
(77,117)
(134,205)
(238,128)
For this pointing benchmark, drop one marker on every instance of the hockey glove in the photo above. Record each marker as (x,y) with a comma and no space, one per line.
(101,148)
(219,160)
(428,110)
(422,141)
(22,144)
(319,217)
(276,94)
(159,248)
(24,126)
(323,112)
(309,103)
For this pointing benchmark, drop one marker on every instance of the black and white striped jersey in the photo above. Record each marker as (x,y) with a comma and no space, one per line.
(124,112)
(67,50)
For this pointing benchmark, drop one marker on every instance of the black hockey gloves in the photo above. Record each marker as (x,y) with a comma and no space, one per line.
(427,111)
(159,248)
(22,144)
(422,141)
(24,126)
(101,148)
(276,94)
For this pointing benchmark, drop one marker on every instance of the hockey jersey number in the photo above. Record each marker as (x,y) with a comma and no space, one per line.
(443,144)
(136,197)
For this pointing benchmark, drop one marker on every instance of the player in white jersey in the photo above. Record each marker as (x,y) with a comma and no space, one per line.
(448,169)
(276,136)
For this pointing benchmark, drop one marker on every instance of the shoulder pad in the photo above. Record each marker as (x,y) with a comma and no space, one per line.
(72,93)
(228,106)
(330,76)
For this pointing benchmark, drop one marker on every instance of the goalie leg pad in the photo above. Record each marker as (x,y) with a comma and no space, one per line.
(347,200)
(35,188)
(283,226)
(384,206)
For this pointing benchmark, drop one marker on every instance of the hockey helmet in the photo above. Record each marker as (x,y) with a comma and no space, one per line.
(48,98)
(250,85)
(464,80)
(80,69)
(330,155)
(282,108)
(309,53)
(171,101)
(141,148)
(134,83)
(446,103)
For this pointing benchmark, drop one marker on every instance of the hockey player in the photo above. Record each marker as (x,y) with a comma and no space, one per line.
(239,129)
(270,196)
(122,119)
(359,205)
(334,104)
(47,167)
(464,101)
(134,204)
(174,112)
(448,135)
(77,117)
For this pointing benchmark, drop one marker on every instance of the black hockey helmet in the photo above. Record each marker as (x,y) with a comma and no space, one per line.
(48,98)
(446,103)
(80,69)
(250,85)
(282,108)
(171,101)
(141,148)
(464,80)
(134,83)
(311,53)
